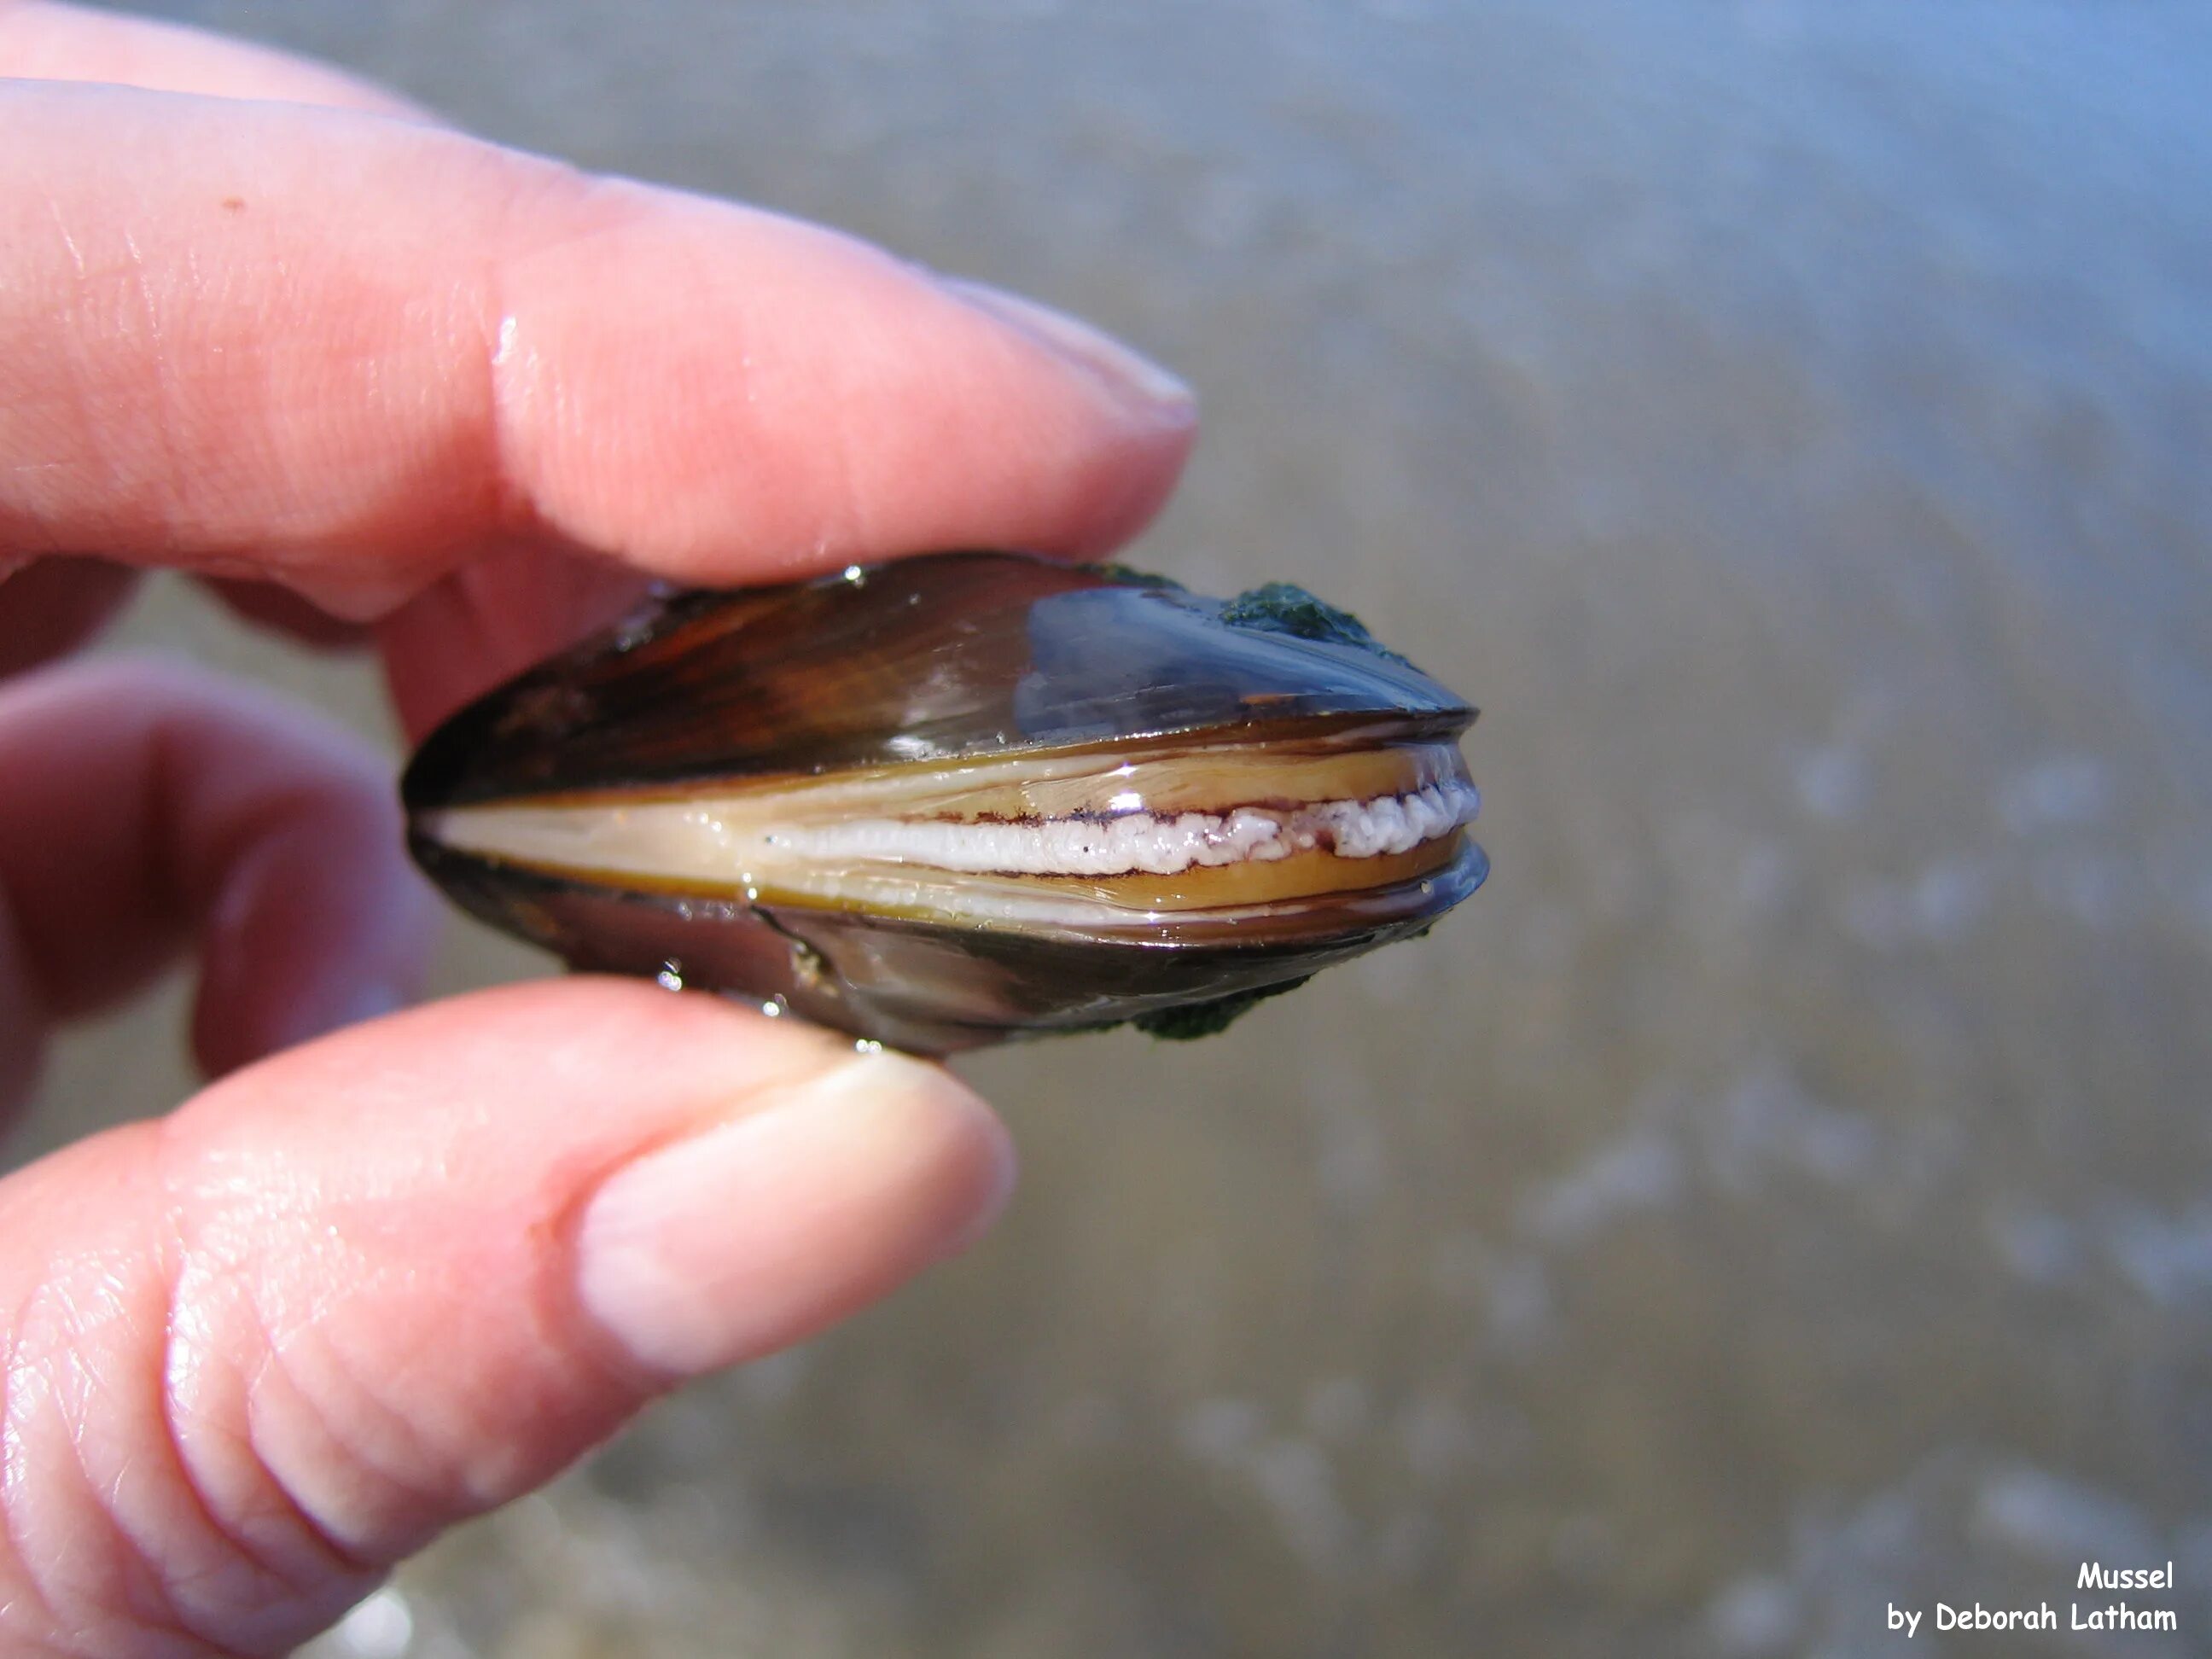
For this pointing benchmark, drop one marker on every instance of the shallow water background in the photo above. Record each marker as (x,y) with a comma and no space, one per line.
(1787,1189)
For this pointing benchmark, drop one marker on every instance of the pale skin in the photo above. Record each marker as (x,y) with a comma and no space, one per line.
(267,325)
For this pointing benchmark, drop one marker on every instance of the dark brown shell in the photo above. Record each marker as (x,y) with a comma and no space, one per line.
(925,659)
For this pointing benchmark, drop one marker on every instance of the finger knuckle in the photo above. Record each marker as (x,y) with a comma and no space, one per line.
(138,1519)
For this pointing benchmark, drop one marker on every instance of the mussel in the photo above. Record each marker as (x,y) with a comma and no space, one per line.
(946,800)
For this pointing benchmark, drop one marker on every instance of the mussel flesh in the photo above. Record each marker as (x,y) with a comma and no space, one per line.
(946,800)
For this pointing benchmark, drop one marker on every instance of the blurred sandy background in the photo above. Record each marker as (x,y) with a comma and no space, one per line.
(1788,1188)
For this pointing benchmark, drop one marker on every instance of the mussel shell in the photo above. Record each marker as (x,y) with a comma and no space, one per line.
(924,659)
(919,662)
(923,987)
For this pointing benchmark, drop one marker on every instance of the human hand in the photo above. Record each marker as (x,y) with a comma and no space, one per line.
(373,376)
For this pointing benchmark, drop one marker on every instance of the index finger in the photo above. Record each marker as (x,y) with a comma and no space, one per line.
(49,40)
(343,351)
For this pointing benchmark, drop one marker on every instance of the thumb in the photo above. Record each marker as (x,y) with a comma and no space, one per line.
(264,1348)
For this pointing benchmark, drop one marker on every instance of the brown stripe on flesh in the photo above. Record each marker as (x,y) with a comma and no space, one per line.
(1215,781)
(1313,874)
(1398,755)
(1258,881)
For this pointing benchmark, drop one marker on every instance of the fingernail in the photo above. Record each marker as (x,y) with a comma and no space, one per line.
(1137,379)
(749,1236)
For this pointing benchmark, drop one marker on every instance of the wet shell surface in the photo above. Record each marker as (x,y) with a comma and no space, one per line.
(947,800)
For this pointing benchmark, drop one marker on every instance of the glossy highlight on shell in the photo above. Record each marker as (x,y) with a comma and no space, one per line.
(947,800)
